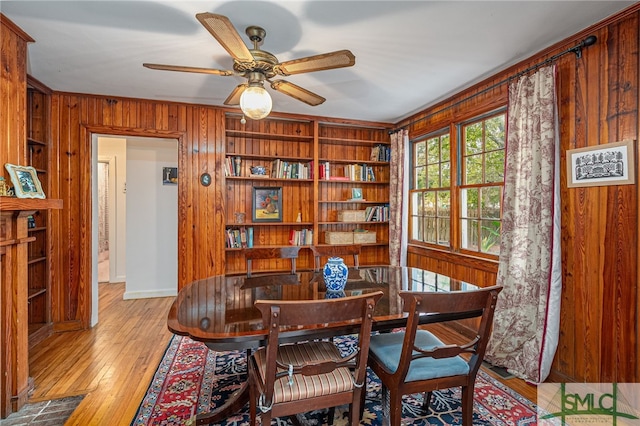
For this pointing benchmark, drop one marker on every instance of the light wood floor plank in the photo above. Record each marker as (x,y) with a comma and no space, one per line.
(114,362)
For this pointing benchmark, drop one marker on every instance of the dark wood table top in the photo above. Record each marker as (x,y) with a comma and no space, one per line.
(219,310)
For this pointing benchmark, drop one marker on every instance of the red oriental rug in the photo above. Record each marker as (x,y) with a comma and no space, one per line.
(192,379)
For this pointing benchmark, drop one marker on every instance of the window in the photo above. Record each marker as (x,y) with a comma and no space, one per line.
(461,213)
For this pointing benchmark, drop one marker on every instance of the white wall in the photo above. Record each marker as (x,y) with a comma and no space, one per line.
(152,219)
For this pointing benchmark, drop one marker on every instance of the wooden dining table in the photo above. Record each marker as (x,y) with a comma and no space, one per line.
(219,311)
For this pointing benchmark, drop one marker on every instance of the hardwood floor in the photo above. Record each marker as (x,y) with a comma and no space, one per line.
(113,363)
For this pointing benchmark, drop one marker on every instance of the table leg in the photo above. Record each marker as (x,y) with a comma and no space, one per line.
(234,404)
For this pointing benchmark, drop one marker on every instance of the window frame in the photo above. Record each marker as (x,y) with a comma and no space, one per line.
(455,129)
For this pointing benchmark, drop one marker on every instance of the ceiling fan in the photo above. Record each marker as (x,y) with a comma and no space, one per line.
(258,66)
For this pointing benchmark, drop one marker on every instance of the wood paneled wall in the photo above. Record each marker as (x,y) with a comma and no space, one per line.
(598,97)
(201,218)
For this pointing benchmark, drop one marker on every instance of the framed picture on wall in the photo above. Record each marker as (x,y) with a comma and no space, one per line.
(601,165)
(169,175)
(267,204)
(25,181)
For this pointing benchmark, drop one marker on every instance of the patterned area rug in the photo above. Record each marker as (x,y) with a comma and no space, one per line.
(192,379)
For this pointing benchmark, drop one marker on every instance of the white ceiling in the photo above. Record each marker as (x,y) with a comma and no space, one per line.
(409,54)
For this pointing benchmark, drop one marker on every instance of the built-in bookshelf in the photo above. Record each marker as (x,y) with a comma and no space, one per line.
(316,169)
(269,155)
(37,144)
(353,188)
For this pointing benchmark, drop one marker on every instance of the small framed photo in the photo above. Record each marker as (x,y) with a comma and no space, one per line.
(25,181)
(356,193)
(169,175)
(267,204)
(601,165)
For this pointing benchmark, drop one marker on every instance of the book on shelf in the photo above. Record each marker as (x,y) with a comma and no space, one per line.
(233,166)
(239,237)
(377,213)
(243,237)
(380,152)
(282,169)
(301,237)
(250,237)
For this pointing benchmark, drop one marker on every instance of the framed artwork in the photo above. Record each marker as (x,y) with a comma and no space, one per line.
(25,181)
(356,193)
(169,175)
(267,204)
(601,165)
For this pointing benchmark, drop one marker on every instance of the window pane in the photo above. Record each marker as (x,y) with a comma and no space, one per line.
(473,139)
(494,169)
(433,150)
(415,228)
(429,206)
(469,202)
(420,178)
(445,153)
(490,237)
(473,169)
(444,203)
(491,199)
(469,233)
(429,230)
(416,203)
(444,230)
(433,175)
(495,135)
(446,174)
(420,159)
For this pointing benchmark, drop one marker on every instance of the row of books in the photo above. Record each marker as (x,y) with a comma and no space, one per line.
(282,169)
(380,153)
(240,237)
(233,166)
(377,214)
(301,237)
(353,172)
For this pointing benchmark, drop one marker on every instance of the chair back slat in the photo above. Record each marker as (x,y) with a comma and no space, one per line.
(313,312)
(336,251)
(255,253)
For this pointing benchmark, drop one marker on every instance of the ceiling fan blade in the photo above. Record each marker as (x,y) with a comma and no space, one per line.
(223,30)
(297,92)
(188,69)
(234,96)
(326,61)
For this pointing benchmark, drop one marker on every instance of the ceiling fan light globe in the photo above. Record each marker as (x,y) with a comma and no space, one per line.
(255,102)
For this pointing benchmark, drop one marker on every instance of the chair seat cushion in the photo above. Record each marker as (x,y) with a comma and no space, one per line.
(387,347)
(338,380)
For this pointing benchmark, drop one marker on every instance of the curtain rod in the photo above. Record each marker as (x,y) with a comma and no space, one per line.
(577,49)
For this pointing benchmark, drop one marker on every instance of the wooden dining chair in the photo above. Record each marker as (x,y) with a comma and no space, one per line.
(416,361)
(292,378)
(271,253)
(336,251)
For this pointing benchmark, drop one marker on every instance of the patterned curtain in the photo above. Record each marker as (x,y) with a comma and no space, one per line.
(527,318)
(398,206)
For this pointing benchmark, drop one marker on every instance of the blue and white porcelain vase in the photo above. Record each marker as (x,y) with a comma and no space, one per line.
(335,274)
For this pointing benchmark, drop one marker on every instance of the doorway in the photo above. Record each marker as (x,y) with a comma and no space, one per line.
(103,221)
(134,216)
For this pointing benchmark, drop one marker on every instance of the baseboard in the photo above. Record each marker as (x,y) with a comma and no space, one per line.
(149,294)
